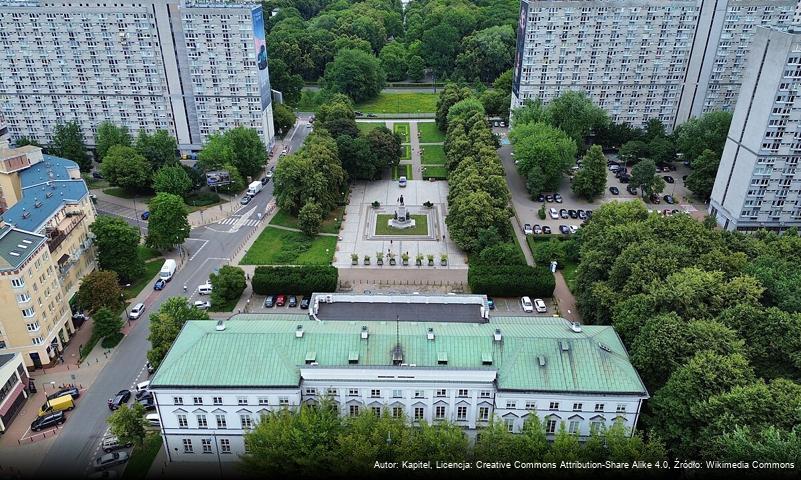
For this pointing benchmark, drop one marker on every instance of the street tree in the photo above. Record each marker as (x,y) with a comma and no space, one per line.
(172,179)
(450,96)
(590,180)
(541,146)
(702,177)
(337,105)
(166,323)
(633,151)
(341,126)
(356,74)
(128,424)
(283,119)
(416,68)
(575,114)
(707,132)
(239,146)
(105,323)
(358,159)
(469,214)
(661,150)
(227,285)
(109,135)
(385,146)
(167,225)
(68,142)
(99,289)
(159,148)
(117,245)
(125,168)
(310,218)
(313,172)
(643,175)
(393,61)
(531,111)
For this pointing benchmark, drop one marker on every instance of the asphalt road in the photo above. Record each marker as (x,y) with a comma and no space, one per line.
(208,248)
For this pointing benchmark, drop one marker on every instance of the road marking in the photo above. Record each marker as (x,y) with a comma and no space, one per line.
(198,250)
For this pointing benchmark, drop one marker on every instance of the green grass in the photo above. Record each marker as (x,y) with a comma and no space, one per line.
(569,272)
(151,270)
(121,193)
(401,171)
(382,228)
(435,171)
(142,458)
(429,133)
(112,340)
(147,253)
(92,182)
(366,127)
(309,101)
(433,155)
(331,223)
(402,129)
(224,307)
(282,247)
(406,153)
(399,103)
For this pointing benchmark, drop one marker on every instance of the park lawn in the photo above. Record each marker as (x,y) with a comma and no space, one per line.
(433,155)
(147,253)
(435,171)
(402,129)
(282,247)
(399,103)
(402,170)
(309,101)
(366,127)
(406,154)
(331,223)
(430,133)
(382,228)
(142,458)
(122,193)
(569,269)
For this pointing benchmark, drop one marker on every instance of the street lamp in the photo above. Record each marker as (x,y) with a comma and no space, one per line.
(122,297)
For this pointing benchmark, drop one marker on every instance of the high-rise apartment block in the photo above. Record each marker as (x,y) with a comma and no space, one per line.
(191,68)
(758,184)
(641,59)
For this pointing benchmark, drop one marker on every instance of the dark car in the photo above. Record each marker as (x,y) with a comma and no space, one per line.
(304,302)
(245,200)
(564,229)
(655,198)
(621,172)
(293,301)
(121,397)
(49,420)
(582,214)
(546,230)
(557,198)
(159,285)
(109,460)
(669,199)
(97,175)
(572,213)
(269,301)
(145,215)
(631,189)
(563,213)
(684,178)
(491,303)
(71,391)
(143,394)
(549,198)
(280,300)
(668,179)
(614,190)
(264,180)
(589,213)
(540,198)
(358,113)
(147,402)
(625,178)
(371,115)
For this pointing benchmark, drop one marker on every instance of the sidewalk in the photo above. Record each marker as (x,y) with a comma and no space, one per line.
(564,299)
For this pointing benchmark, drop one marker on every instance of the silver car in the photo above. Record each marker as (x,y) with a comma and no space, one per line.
(110,459)
(136,311)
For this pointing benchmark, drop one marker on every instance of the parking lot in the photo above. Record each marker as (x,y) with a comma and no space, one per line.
(510,306)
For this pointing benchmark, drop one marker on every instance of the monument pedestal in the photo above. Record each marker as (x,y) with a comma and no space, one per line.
(400,221)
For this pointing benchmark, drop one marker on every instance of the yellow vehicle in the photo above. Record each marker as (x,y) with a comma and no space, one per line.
(59,404)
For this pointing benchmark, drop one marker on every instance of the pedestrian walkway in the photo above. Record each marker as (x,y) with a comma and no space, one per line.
(417,163)
(232,220)
(564,299)
(521,239)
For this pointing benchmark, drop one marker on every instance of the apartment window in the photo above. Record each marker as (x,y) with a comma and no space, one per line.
(419,412)
(462,392)
(375,393)
(242,400)
(37,340)
(553,406)
(182,423)
(397,411)
(419,394)
(32,327)
(353,392)
(206,443)
(595,426)
(550,426)
(376,411)
(201,421)
(461,413)
(225,445)
(511,404)
(246,420)
(311,391)
(188,445)
(531,405)
(264,401)
(599,407)
(197,400)
(178,400)
(17,282)
(397,394)
(441,393)
(28,312)
(577,407)
(510,424)
(353,410)
(483,414)
(23,297)
(217,400)
(439,412)
(331,391)
(221,423)
(485,394)
(573,427)
(283,401)
(621,408)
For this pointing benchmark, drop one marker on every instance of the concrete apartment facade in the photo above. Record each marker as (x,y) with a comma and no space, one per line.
(13,387)
(758,184)
(47,248)
(504,368)
(665,59)
(190,68)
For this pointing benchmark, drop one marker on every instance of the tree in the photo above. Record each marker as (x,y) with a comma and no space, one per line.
(531,111)
(310,217)
(105,323)
(541,146)
(590,180)
(644,176)
(450,96)
(337,106)
(282,79)
(68,142)
(99,289)
(167,225)
(237,183)
(771,444)
(283,118)
(702,177)
(385,146)
(227,285)
(239,146)
(109,135)
(469,214)
(159,148)
(341,126)
(117,245)
(125,168)
(546,252)
(128,424)
(486,53)
(166,323)
(661,150)
(633,151)
(172,179)
(707,132)
(25,140)
(416,68)
(356,74)
(614,135)
(393,61)
(574,113)
(358,159)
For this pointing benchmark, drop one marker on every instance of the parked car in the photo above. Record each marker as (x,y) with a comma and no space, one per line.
(358,113)
(614,190)
(654,198)
(582,214)
(669,199)
(142,394)
(540,198)
(528,307)
(293,301)
(97,175)
(153,419)
(549,198)
(371,115)
(402,182)
(527,230)
(546,230)
(136,311)
(537,229)
(111,443)
(269,301)
(564,229)
(264,180)
(121,397)
(145,215)
(280,300)
(147,402)
(631,189)
(573,228)
(563,213)
(589,213)
(244,200)
(58,404)
(540,305)
(572,213)
(160,283)
(669,179)
(202,304)
(72,391)
(491,303)
(205,289)
(110,459)
(554,213)
(269,174)
(557,198)
(47,421)
(625,178)
(304,302)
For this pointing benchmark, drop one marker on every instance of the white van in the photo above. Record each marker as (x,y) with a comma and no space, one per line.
(153,419)
(143,386)
(204,289)
(167,270)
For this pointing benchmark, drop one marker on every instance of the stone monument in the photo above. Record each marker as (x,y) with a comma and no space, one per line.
(402,218)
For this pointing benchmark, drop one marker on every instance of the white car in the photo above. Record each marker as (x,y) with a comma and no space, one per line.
(573,228)
(203,305)
(527,229)
(136,311)
(528,307)
(540,305)
(204,289)
(269,174)
(402,182)
(554,213)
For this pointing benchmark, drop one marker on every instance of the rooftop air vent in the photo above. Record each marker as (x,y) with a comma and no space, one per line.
(442,358)
(299,332)
(575,327)
(397,355)
(19,245)
(430,334)
(486,358)
(27,241)
(311,358)
(364,333)
(16,254)
(353,358)
(565,346)
(220,325)
(36,203)
(48,194)
(541,360)
(604,347)
(26,214)
(497,336)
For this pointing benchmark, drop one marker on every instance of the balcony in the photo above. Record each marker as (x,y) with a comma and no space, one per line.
(57,235)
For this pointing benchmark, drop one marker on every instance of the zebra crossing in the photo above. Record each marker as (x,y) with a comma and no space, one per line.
(232,220)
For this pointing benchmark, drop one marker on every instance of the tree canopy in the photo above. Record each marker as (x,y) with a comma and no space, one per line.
(68,142)
(117,245)
(123,167)
(167,224)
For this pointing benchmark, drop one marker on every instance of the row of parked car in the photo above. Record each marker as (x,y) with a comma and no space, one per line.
(288,300)
(52,411)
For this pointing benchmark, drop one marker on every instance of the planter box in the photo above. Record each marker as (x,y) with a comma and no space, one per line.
(419,263)
(392,261)
(380,262)
(354,262)
(443,262)
(367,262)
(431,263)
(405,263)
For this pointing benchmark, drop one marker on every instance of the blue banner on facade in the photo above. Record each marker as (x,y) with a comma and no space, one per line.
(261,56)
(521,42)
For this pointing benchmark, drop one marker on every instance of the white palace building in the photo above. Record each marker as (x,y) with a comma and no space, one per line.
(430,358)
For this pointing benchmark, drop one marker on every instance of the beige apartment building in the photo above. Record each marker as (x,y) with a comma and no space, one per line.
(46,248)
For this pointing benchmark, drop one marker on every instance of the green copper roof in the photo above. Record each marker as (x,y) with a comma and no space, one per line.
(535,354)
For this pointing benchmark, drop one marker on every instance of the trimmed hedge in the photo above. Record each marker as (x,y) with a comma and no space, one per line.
(300,280)
(511,280)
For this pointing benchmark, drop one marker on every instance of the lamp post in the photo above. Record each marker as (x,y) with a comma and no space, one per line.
(122,297)
(217,449)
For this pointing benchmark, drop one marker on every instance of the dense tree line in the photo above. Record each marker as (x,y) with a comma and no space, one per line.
(711,320)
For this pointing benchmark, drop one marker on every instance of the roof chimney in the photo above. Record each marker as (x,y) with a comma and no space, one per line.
(299,332)
(364,333)
(430,334)
(575,327)
(220,325)
(497,336)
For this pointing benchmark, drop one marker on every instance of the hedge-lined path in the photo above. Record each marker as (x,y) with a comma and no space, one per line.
(565,299)
(281,227)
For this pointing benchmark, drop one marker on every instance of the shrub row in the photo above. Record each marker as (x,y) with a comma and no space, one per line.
(511,280)
(301,280)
